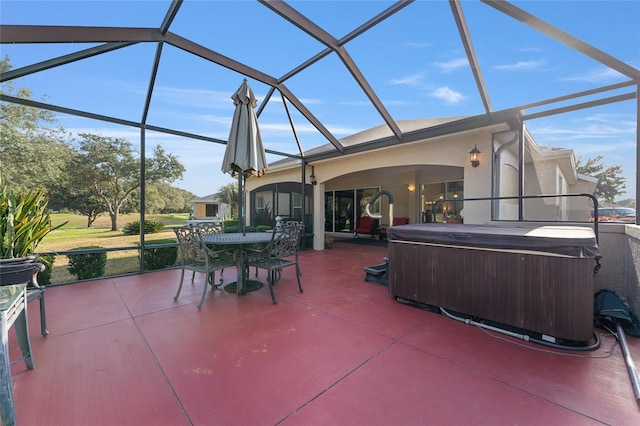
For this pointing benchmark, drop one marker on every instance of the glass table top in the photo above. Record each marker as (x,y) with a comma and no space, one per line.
(9,294)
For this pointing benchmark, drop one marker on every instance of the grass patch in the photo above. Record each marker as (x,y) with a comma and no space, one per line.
(76,234)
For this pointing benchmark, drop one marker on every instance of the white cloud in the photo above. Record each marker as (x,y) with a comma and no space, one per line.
(129,133)
(402,103)
(193,97)
(280,128)
(355,103)
(597,75)
(273,128)
(531,49)
(452,65)
(410,80)
(615,129)
(416,44)
(521,65)
(446,94)
(311,101)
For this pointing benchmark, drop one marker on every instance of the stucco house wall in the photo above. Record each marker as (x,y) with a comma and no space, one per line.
(200,208)
(441,159)
(620,248)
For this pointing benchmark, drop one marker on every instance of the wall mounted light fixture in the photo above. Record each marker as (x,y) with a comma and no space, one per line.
(313,176)
(473,156)
(411,187)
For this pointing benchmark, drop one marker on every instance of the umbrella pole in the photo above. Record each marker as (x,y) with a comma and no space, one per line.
(631,368)
(240,203)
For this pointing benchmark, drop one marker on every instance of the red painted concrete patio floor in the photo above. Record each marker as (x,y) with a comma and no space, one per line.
(122,352)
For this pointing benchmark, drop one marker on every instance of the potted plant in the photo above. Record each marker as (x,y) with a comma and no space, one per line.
(24,222)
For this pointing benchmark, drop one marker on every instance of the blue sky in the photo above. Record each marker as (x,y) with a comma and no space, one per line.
(414,61)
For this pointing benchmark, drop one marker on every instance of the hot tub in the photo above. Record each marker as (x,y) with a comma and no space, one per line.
(538,279)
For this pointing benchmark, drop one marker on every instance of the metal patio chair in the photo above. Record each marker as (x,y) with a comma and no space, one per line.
(197,257)
(208,228)
(280,253)
(19,271)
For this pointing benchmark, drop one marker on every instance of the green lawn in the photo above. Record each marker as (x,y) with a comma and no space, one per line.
(75,234)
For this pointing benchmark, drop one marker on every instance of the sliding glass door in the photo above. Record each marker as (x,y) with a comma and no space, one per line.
(343,208)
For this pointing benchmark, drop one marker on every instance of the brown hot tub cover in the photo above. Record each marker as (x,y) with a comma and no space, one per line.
(576,241)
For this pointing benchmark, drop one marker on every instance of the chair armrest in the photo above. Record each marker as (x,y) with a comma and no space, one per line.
(38,267)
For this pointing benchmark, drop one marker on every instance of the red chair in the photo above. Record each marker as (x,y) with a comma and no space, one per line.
(367,225)
(396,222)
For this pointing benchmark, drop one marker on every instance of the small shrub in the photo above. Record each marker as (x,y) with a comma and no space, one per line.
(150,227)
(44,277)
(263,228)
(231,229)
(229,222)
(88,265)
(161,257)
(235,228)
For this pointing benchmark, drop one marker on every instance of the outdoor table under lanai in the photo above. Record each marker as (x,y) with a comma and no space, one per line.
(241,241)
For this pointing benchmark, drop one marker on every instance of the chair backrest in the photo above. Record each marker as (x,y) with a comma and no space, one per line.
(400,221)
(192,248)
(366,222)
(210,228)
(287,241)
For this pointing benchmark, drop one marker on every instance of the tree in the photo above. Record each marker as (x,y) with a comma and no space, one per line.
(163,198)
(627,202)
(110,167)
(80,200)
(33,151)
(610,180)
(228,194)
(176,200)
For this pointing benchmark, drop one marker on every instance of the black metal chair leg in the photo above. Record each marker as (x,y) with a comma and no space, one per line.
(298,277)
(180,286)
(204,291)
(270,281)
(43,317)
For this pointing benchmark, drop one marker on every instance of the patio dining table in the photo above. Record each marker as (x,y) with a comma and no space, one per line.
(240,242)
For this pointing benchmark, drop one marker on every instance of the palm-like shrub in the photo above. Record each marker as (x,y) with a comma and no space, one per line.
(150,227)
(24,221)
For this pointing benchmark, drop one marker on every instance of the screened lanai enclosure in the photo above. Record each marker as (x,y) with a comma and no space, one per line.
(161,74)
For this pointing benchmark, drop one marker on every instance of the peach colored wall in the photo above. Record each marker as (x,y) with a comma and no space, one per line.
(394,168)
(452,150)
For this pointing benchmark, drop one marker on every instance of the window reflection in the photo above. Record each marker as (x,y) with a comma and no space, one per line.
(439,202)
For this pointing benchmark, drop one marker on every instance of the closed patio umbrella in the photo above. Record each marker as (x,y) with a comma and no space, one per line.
(244,155)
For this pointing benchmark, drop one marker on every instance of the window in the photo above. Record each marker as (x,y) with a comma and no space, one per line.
(282,199)
(211,210)
(297,204)
(284,204)
(340,215)
(439,202)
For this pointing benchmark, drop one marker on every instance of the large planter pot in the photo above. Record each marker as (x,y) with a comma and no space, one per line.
(19,260)
(19,270)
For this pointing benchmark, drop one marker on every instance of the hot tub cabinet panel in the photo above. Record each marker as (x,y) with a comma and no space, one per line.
(486,272)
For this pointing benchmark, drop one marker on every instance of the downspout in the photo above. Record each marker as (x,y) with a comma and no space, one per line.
(497,171)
